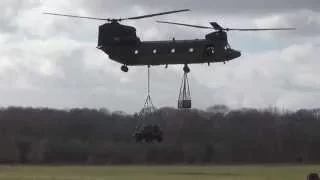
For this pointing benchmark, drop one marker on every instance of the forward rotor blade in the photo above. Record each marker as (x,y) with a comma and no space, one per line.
(218,27)
(156,14)
(189,25)
(82,17)
(260,29)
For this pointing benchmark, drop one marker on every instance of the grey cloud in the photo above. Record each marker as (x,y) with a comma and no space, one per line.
(87,30)
(78,84)
(10,9)
(307,23)
(208,6)
(290,13)
(270,79)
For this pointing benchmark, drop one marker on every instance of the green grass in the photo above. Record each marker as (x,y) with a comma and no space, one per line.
(156,172)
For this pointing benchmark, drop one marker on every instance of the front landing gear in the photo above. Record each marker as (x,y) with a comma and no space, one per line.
(124,68)
(186,68)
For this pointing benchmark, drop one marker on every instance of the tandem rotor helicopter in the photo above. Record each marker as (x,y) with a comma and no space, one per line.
(123,45)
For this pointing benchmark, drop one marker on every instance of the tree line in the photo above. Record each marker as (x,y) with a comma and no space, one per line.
(217,135)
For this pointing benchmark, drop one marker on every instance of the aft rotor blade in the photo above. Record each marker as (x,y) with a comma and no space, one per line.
(189,25)
(82,17)
(260,29)
(156,14)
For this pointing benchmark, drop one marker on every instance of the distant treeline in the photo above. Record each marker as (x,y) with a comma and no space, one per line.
(217,135)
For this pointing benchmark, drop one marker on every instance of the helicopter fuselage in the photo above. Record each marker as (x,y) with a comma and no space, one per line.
(170,52)
(122,45)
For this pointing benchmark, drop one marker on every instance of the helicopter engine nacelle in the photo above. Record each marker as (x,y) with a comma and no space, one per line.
(113,34)
(217,36)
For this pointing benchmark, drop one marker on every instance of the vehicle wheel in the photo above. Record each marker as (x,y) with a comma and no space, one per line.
(124,68)
(186,69)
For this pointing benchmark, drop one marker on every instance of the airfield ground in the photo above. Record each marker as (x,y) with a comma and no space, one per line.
(260,172)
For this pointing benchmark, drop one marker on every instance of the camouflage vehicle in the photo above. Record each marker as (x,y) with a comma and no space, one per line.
(149,133)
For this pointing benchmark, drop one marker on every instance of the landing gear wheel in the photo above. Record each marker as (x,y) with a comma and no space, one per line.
(186,68)
(124,68)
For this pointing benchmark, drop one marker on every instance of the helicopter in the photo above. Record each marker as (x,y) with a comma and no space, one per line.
(123,45)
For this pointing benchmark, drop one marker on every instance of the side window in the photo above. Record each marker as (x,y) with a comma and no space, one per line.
(154,51)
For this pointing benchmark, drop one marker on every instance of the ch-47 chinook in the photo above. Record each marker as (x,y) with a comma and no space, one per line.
(123,45)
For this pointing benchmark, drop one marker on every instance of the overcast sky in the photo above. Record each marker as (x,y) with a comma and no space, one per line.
(53,61)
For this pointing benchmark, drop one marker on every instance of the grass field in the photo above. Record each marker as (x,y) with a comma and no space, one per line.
(156,172)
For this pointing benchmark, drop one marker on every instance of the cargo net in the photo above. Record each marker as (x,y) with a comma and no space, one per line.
(147,113)
(148,128)
(184,101)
